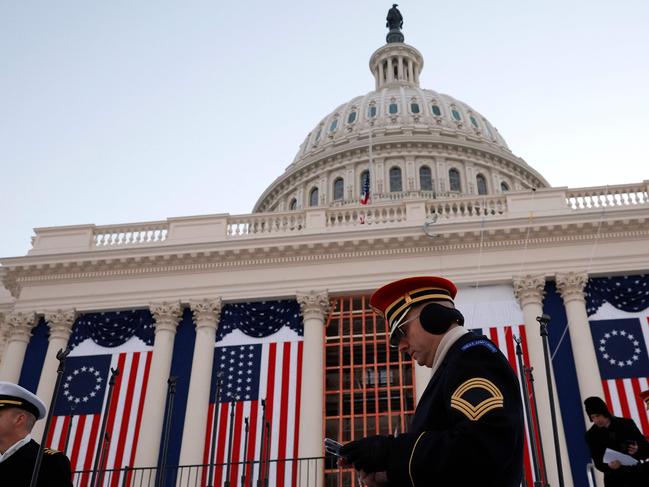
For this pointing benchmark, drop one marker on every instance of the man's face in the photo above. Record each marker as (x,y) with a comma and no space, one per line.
(8,421)
(600,420)
(417,342)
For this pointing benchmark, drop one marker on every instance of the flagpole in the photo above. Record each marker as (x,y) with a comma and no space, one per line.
(100,446)
(543,321)
(261,443)
(61,356)
(162,463)
(526,404)
(227,475)
(212,459)
(245,454)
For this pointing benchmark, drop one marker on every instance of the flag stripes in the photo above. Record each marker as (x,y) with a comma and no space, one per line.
(503,338)
(280,385)
(123,423)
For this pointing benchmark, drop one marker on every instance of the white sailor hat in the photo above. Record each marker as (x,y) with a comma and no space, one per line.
(14,396)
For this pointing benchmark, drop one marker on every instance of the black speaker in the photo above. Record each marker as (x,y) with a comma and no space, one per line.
(437,318)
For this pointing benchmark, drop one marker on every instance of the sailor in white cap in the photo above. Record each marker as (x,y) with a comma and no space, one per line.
(19,410)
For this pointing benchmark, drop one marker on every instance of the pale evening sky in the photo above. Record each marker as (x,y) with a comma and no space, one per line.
(114,112)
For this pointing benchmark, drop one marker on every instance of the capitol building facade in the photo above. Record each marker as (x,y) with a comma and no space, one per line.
(263,319)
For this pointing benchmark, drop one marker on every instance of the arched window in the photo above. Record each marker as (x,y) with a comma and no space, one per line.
(395,179)
(351,118)
(425,179)
(334,125)
(313,197)
(414,107)
(371,111)
(474,122)
(393,108)
(504,187)
(339,188)
(437,111)
(456,114)
(454,180)
(481,181)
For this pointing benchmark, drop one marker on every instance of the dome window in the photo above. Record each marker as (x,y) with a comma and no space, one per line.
(396,184)
(414,107)
(371,111)
(313,197)
(293,204)
(393,109)
(481,182)
(317,136)
(436,110)
(474,122)
(339,189)
(334,125)
(425,179)
(488,129)
(456,115)
(454,180)
(351,118)
(504,187)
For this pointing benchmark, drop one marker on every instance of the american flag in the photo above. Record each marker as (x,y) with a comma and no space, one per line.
(503,338)
(365,191)
(623,360)
(253,369)
(82,400)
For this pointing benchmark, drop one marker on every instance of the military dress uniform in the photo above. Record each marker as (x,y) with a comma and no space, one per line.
(468,426)
(18,461)
(467,429)
(16,471)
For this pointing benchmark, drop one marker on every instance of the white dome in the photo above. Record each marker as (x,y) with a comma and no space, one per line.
(415,143)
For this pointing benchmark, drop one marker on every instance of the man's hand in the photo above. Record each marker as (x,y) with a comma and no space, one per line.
(614,465)
(368,454)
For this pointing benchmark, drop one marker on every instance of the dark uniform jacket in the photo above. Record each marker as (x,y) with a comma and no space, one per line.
(468,426)
(620,431)
(16,471)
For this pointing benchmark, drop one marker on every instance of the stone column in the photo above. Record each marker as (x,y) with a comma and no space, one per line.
(20,331)
(4,334)
(400,68)
(529,292)
(315,308)
(206,317)
(166,317)
(380,79)
(571,286)
(60,324)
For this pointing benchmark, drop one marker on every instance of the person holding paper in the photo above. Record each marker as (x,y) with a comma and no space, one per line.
(617,434)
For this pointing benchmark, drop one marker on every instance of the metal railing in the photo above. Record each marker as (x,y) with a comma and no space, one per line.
(300,472)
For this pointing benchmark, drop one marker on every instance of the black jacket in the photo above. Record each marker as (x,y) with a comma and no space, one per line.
(16,471)
(468,426)
(620,431)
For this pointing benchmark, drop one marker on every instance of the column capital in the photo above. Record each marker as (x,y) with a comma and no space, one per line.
(20,325)
(529,289)
(166,315)
(60,323)
(314,304)
(206,312)
(571,285)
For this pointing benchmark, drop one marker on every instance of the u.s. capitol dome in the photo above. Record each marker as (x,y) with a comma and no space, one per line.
(411,142)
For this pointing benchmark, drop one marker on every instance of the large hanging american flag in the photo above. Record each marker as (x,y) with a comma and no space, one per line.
(256,369)
(101,342)
(623,360)
(503,337)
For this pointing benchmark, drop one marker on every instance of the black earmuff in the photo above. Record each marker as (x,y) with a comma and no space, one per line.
(437,319)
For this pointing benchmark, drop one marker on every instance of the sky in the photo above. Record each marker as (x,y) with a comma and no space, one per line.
(123,111)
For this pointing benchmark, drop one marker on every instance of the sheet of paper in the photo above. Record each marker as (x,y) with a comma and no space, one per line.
(624,459)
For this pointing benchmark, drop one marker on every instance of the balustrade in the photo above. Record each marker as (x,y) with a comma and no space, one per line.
(607,196)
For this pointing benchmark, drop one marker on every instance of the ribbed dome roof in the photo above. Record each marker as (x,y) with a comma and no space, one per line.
(420,109)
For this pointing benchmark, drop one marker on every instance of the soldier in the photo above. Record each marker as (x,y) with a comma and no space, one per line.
(468,426)
(19,410)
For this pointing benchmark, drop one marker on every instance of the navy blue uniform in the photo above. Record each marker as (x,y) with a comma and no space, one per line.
(468,426)
(16,471)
